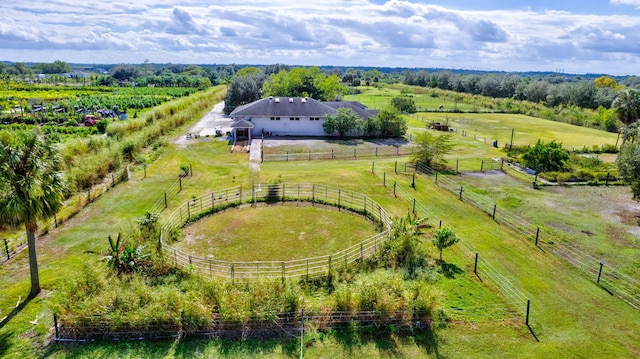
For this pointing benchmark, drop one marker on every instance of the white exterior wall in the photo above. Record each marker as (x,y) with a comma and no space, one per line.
(286,127)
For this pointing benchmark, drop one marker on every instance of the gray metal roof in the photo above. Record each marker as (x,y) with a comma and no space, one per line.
(284,107)
(359,108)
(242,124)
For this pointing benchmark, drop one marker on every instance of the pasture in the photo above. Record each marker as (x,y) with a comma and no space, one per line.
(570,317)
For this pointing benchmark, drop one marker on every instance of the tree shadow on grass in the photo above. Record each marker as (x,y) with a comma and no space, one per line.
(449,270)
(4,343)
(427,340)
(15,311)
(351,339)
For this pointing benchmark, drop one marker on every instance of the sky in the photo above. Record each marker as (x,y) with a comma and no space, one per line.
(571,36)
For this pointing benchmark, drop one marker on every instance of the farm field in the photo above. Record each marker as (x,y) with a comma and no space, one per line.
(484,319)
(601,220)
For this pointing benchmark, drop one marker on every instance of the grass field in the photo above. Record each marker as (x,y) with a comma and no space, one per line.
(570,315)
(247,234)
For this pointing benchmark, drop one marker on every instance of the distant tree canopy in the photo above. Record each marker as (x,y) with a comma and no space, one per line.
(404,104)
(552,90)
(57,67)
(244,90)
(125,72)
(546,157)
(304,82)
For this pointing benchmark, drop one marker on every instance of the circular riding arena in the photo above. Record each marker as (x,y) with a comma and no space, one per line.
(275,231)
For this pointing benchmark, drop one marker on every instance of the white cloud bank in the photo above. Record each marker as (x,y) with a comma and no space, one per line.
(346,33)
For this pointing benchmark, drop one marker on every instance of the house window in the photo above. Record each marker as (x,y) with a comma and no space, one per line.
(291,118)
(277,118)
(297,118)
(272,118)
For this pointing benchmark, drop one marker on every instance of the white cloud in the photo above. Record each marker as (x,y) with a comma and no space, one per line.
(634,3)
(358,32)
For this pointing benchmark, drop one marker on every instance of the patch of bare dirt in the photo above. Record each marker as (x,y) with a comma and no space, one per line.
(621,238)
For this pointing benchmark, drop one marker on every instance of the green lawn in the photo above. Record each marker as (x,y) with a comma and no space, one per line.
(248,234)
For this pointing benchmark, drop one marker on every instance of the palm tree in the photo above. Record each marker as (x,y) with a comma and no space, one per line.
(31,187)
(627,106)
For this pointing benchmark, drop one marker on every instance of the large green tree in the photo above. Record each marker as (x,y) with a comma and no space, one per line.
(303,82)
(544,157)
(31,188)
(627,106)
(432,148)
(344,122)
(628,163)
(243,90)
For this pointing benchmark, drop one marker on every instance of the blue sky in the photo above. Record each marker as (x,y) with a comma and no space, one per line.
(570,36)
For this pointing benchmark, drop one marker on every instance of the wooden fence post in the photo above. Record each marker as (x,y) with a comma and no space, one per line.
(165,200)
(373,167)
(436,178)
(528,307)
(384,179)
(495,206)
(475,265)
(329,265)
(414,206)
(599,273)
(190,170)
(180,181)
(6,248)
(482,166)
(537,235)
(394,189)
(413,181)
(396,167)
(55,324)
(457,161)
(461,193)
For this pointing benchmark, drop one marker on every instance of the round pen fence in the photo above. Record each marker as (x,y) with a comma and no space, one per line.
(322,265)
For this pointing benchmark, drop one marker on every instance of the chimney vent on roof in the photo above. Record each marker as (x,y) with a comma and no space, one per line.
(277,99)
(303,100)
(290,100)
(270,97)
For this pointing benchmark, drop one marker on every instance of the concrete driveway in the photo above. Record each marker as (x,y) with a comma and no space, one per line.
(207,125)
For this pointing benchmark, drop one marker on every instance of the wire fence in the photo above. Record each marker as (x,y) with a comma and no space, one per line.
(604,274)
(270,325)
(482,267)
(260,193)
(356,153)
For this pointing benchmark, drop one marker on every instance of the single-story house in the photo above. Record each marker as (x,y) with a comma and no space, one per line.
(289,116)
